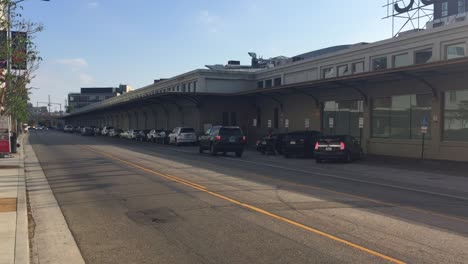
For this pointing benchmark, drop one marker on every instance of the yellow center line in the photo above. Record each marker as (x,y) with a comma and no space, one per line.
(254,208)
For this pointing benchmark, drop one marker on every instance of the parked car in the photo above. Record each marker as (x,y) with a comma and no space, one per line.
(105,130)
(163,137)
(124,134)
(132,134)
(115,132)
(87,131)
(271,144)
(68,129)
(141,135)
(182,135)
(223,139)
(152,134)
(341,147)
(300,143)
(77,129)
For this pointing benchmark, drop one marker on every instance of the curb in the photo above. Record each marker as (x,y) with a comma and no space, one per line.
(52,240)
(22,231)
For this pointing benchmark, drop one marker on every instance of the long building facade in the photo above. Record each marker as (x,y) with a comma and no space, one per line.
(383,92)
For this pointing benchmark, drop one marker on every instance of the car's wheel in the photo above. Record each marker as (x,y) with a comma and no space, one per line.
(239,154)
(200,149)
(212,150)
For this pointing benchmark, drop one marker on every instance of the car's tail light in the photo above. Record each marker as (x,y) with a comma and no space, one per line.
(218,137)
(316,145)
(342,145)
(244,138)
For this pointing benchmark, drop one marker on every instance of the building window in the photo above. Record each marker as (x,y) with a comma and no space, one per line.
(195,86)
(461,6)
(358,67)
(72,98)
(343,70)
(345,115)
(268,83)
(401,116)
(453,96)
(183,88)
(379,63)
(328,72)
(422,56)
(455,51)
(276,118)
(401,60)
(444,9)
(178,88)
(456,115)
(233,119)
(277,81)
(260,84)
(225,118)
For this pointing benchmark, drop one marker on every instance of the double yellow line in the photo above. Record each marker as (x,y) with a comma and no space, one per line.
(251,207)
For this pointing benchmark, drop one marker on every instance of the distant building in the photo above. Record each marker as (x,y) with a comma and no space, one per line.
(91,95)
(448,11)
(33,110)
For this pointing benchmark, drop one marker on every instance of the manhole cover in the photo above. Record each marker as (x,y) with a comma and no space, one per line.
(7,205)
(153,216)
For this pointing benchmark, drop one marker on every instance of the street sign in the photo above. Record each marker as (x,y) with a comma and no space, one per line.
(307,123)
(331,122)
(423,129)
(286,123)
(361,122)
(269,123)
(254,122)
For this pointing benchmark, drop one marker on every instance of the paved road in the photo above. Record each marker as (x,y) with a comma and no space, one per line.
(135,202)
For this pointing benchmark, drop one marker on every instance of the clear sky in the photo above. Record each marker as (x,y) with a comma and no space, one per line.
(110,42)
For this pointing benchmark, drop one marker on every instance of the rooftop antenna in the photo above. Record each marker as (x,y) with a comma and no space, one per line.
(409,14)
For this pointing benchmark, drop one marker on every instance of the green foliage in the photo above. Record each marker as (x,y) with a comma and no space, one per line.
(14,94)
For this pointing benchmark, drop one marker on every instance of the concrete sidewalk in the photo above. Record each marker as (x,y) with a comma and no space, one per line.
(14,241)
(51,239)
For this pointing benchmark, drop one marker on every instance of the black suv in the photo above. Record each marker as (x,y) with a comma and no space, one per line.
(300,143)
(223,139)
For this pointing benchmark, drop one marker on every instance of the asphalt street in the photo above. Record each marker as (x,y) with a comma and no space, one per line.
(138,202)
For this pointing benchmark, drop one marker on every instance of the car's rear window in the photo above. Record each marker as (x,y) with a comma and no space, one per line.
(227,131)
(328,139)
(187,130)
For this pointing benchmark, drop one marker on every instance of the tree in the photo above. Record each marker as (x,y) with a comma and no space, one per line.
(18,49)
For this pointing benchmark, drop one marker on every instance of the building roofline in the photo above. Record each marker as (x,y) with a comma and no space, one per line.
(365,75)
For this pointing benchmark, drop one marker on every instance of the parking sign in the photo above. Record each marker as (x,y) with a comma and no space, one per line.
(254,122)
(286,123)
(361,122)
(269,123)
